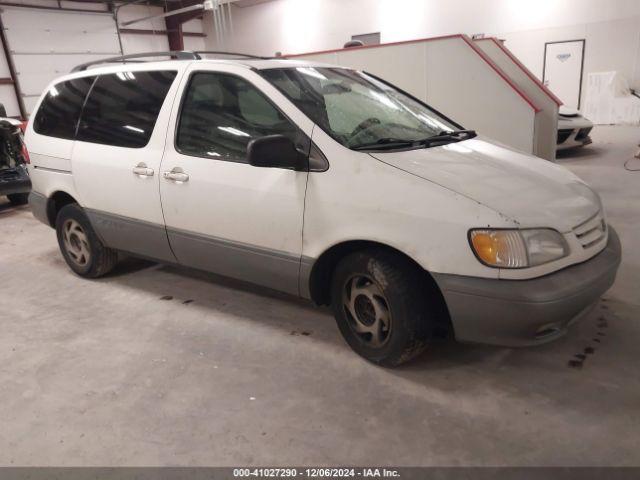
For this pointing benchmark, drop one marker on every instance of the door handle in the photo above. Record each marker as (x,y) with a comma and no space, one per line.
(143,170)
(176,174)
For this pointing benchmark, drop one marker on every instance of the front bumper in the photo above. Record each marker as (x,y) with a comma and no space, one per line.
(573,138)
(528,312)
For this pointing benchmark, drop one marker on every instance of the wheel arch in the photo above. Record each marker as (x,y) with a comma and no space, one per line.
(55,202)
(319,280)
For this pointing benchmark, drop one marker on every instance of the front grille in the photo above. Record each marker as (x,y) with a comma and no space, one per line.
(563,134)
(583,133)
(591,231)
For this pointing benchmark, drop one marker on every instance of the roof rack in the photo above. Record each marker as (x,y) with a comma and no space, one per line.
(233,54)
(173,54)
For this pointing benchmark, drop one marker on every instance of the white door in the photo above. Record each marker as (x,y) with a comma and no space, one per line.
(222,214)
(563,70)
(116,159)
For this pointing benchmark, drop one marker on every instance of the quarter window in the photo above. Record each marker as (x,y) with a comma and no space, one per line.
(122,108)
(222,113)
(60,110)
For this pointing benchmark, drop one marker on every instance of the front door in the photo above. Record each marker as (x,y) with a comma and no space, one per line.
(222,214)
(563,62)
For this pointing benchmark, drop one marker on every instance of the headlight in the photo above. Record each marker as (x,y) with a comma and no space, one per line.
(517,248)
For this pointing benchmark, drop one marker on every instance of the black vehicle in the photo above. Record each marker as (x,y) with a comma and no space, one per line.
(14,178)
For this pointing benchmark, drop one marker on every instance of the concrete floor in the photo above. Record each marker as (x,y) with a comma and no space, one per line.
(108,372)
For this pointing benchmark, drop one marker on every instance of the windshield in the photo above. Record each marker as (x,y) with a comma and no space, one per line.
(356,109)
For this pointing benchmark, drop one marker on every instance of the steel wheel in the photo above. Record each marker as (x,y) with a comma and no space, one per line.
(76,243)
(367,310)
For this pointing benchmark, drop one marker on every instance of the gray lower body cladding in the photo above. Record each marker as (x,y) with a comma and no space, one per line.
(528,312)
(262,266)
(130,235)
(237,260)
(38,204)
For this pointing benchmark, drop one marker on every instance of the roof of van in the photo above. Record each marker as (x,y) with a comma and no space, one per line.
(252,63)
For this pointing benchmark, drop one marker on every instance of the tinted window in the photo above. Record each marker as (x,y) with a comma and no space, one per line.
(122,108)
(222,113)
(59,112)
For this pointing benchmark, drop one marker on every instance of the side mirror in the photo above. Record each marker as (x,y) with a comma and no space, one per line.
(3,111)
(274,151)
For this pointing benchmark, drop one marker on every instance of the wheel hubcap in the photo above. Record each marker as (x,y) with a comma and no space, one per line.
(367,310)
(76,243)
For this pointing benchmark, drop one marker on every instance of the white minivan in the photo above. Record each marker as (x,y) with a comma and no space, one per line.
(323,182)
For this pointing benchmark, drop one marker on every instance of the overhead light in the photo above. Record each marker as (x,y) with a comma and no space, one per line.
(124,76)
(134,129)
(234,131)
(312,72)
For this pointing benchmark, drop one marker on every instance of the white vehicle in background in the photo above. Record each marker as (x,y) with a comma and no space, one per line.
(322,182)
(573,129)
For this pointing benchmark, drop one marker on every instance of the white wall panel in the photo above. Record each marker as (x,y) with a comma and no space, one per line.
(46,44)
(135,12)
(611,27)
(546,131)
(7,92)
(135,43)
(36,71)
(4,66)
(609,46)
(194,43)
(18,18)
(395,64)
(194,26)
(9,100)
(297,26)
(62,41)
(98,7)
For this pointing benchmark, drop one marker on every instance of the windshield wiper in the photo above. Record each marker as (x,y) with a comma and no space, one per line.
(442,138)
(386,143)
(448,136)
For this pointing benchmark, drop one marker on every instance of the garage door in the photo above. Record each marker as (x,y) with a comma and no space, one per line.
(46,44)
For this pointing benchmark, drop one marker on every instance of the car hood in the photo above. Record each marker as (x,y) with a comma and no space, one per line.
(528,190)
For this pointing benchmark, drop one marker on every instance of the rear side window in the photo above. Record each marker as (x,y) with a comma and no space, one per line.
(122,108)
(59,111)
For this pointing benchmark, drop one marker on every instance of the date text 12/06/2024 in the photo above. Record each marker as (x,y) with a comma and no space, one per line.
(315,473)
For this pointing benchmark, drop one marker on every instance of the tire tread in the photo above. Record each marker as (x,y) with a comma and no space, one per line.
(401,279)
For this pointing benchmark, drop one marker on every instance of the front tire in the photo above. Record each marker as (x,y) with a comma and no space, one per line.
(382,307)
(81,248)
(18,198)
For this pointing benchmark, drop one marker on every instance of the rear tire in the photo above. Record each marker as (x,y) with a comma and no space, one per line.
(18,198)
(81,248)
(382,306)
